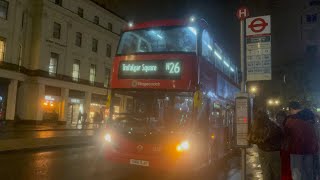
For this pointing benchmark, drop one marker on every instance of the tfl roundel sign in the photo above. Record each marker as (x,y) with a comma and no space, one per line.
(258,26)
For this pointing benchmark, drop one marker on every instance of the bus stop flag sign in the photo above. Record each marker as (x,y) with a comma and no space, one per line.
(258,44)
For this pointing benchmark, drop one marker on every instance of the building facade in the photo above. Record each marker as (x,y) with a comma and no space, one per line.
(55,59)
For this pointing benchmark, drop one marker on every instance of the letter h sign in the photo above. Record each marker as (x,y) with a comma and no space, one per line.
(242,13)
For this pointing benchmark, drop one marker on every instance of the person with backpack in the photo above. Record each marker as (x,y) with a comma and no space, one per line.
(267,135)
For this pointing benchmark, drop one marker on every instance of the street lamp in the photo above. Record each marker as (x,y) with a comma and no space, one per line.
(273,102)
(253,89)
(270,102)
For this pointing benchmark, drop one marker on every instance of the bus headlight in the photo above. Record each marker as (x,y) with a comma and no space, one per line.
(183,146)
(107,137)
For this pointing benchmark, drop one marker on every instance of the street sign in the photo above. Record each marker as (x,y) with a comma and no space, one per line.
(259,58)
(242,13)
(242,119)
(258,45)
(258,26)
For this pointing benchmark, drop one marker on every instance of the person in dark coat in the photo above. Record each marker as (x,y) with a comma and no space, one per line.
(301,141)
(281,118)
(267,135)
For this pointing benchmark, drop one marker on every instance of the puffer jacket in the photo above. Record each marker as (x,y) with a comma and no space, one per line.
(300,134)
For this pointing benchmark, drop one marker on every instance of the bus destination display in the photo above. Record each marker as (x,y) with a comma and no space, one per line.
(150,69)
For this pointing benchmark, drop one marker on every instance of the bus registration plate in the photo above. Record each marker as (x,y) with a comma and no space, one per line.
(139,162)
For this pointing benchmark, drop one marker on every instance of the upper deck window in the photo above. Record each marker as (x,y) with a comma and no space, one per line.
(158,40)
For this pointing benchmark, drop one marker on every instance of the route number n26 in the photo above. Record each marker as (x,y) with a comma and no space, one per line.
(173,67)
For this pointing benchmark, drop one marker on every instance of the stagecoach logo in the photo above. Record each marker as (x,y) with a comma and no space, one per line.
(144,84)
(134,83)
(139,148)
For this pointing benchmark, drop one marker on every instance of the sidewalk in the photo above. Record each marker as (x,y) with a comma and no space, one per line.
(44,127)
(254,171)
(22,137)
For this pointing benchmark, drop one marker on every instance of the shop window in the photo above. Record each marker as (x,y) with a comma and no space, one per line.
(2,48)
(107,77)
(76,70)
(56,30)
(94,45)
(92,73)
(96,20)
(110,26)
(108,50)
(4,9)
(53,64)
(78,39)
(80,12)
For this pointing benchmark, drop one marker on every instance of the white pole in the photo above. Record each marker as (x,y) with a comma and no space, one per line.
(243,90)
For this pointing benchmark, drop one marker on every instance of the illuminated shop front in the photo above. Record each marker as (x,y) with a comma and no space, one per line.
(98,105)
(75,106)
(51,104)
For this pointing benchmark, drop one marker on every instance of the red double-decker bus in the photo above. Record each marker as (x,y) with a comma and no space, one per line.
(172,100)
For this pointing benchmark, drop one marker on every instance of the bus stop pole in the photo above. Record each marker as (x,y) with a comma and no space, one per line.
(243,90)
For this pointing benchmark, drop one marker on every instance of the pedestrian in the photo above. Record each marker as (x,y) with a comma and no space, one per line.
(267,136)
(281,118)
(96,119)
(84,119)
(301,141)
(79,118)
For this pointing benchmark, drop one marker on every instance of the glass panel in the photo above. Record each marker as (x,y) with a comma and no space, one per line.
(4,9)
(2,49)
(166,39)
(56,30)
(108,50)
(110,26)
(80,12)
(96,20)
(207,47)
(58,2)
(92,73)
(107,77)
(78,39)
(94,45)
(155,110)
(53,64)
(76,70)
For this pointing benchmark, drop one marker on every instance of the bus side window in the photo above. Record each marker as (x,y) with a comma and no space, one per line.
(217,115)
(212,116)
(204,117)
(207,47)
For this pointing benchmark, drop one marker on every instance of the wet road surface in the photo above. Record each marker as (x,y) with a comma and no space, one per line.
(44,134)
(87,162)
